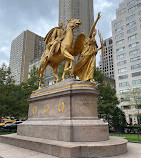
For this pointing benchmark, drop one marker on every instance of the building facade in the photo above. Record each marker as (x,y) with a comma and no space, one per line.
(126,34)
(26,47)
(79,9)
(106,65)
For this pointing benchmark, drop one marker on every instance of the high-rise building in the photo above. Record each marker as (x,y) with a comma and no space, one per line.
(126,30)
(24,48)
(79,9)
(106,65)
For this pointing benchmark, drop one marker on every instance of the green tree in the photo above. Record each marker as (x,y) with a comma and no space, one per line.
(118,118)
(32,83)
(98,75)
(7,87)
(13,98)
(5,76)
(107,99)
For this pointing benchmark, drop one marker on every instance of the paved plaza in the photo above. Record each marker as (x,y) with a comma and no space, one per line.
(9,151)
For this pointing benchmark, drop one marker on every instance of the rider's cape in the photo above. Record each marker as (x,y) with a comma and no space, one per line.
(48,39)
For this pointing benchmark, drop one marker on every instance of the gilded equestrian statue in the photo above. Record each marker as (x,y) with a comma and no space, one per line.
(64,50)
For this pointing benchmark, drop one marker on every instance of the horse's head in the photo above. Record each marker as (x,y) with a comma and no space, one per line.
(73,23)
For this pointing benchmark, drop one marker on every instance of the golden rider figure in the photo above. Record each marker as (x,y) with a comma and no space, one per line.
(53,44)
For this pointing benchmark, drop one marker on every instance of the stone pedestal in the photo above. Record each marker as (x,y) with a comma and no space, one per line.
(62,121)
(66,111)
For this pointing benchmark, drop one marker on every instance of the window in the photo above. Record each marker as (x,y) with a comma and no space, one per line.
(136,74)
(118,23)
(135,59)
(124,107)
(123,84)
(132,30)
(121,63)
(132,37)
(121,56)
(120,42)
(125,99)
(120,49)
(133,45)
(130,3)
(119,29)
(123,77)
(122,70)
(104,43)
(137,97)
(137,90)
(122,11)
(126,91)
(133,52)
(134,7)
(119,35)
(135,82)
(110,41)
(130,17)
(135,66)
(131,23)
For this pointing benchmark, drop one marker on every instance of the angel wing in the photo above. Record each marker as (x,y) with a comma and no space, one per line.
(79,44)
(102,46)
(47,39)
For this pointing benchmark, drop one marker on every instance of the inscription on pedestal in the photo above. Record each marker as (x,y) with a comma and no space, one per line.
(46,108)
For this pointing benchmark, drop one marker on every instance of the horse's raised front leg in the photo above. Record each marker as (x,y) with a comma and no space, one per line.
(65,68)
(54,73)
(70,59)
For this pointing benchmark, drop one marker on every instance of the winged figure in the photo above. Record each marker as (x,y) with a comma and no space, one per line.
(84,69)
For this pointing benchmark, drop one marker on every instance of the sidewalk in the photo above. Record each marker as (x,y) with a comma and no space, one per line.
(9,151)
(134,151)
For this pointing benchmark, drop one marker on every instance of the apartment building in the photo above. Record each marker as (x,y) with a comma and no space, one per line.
(126,35)
(24,48)
(106,65)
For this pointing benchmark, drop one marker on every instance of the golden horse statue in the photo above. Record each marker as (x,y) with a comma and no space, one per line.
(66,51)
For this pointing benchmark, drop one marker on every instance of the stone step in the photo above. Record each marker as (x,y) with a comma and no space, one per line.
(114,146)
(11,151)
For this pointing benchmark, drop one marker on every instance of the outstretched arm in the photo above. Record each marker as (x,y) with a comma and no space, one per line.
(94,24)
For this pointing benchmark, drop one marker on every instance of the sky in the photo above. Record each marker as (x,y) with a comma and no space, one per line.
(39,16)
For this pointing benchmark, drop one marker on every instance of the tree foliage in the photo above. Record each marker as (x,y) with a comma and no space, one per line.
(107,100)
(13,98)
(118,118)
(32,83)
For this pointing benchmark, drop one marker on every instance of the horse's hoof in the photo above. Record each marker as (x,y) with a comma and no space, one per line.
(72,73)
(57,80)
(93,81)
(39,87)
